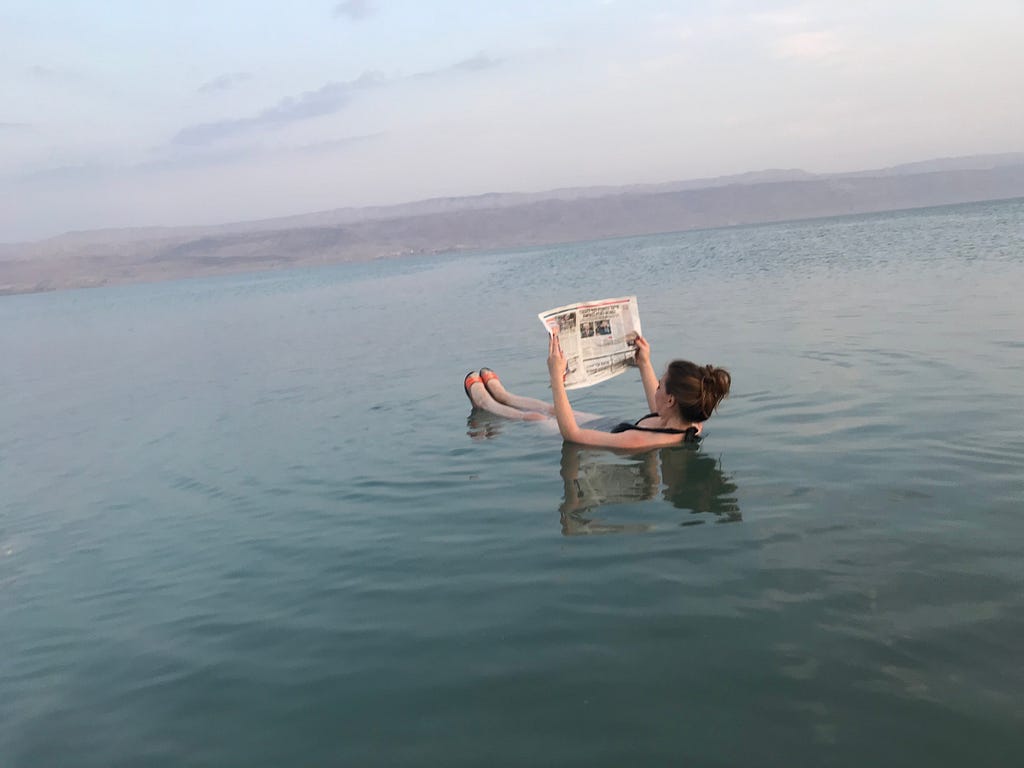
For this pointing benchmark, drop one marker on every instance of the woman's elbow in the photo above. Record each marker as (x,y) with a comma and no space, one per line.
(570,432)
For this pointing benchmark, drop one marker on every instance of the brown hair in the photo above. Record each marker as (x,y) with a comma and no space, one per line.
(697,388)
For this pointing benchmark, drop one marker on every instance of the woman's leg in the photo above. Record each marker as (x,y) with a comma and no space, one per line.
(498,392)
(482,399)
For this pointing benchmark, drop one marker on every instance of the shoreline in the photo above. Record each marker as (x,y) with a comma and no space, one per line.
(49,266)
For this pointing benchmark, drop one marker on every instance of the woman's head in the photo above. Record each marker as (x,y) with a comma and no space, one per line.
(694,390)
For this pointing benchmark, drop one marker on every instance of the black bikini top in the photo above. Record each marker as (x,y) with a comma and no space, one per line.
(689,434)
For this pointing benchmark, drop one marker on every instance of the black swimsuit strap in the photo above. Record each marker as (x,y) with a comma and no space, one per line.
(689,434)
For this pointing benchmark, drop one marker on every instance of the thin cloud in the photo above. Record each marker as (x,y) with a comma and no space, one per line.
(37,70)
(224,82)
(343,143)
(327,100)
(53,74)
(16,128)
(204,158)
(83,172)
(476,63)
(356,10)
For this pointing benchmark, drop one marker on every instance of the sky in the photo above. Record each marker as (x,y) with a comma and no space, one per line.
(124,113)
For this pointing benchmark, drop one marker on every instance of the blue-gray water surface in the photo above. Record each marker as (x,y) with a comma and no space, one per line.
(251,520)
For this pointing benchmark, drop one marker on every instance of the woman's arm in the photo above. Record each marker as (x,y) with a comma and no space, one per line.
(647,375)
(560,399)
(567,419)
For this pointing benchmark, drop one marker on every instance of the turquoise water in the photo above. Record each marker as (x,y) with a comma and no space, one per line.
(251,521)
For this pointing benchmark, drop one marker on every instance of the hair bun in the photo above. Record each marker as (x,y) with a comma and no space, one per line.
(714,384)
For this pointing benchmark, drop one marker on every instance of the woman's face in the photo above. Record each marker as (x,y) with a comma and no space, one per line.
(662,399)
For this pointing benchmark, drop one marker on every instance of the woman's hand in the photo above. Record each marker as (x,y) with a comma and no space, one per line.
(643,351)
(556,359)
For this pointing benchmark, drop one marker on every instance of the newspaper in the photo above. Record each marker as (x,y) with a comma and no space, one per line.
(598,338)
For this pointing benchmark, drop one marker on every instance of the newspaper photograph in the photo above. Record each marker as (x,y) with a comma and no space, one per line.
(598,338)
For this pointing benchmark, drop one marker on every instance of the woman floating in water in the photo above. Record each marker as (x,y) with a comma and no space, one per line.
(680,402)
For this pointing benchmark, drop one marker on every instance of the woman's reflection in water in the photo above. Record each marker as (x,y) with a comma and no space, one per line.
(481,425)
(685,477)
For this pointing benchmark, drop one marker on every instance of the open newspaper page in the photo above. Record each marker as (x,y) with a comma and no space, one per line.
(597,337)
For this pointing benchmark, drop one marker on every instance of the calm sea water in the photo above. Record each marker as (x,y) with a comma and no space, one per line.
(251,521)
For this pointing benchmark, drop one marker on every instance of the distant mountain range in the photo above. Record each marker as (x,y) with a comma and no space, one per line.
(497,220)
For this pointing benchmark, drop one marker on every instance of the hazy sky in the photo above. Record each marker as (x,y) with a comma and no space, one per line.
(124,113)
